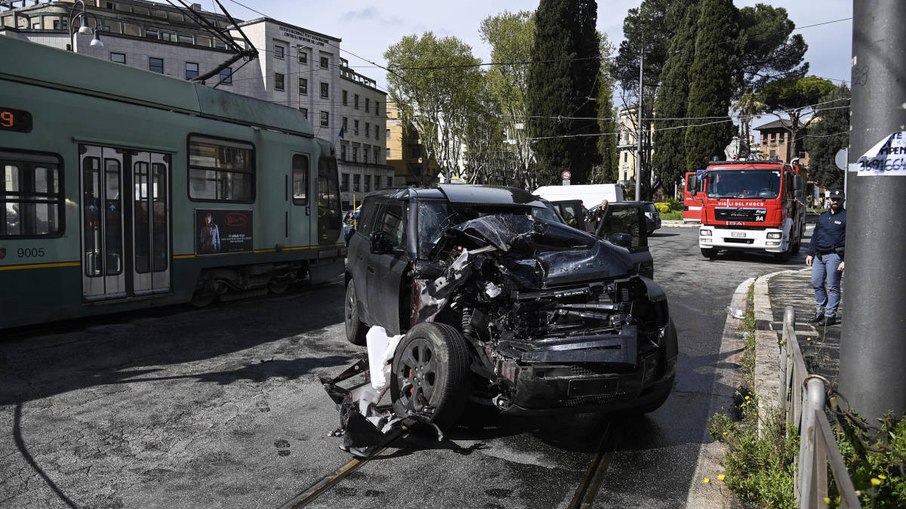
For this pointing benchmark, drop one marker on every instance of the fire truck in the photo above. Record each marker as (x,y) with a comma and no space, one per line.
(751,206)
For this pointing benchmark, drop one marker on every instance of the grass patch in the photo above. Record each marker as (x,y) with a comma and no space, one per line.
(672,215)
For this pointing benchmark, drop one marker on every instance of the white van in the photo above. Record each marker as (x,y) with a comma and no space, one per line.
(590,194)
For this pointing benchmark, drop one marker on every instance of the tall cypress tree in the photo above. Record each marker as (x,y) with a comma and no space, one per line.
(712,72)
(669,158)
(562,86)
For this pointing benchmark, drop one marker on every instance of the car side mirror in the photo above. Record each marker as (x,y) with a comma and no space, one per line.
(621,239)
(797,182)
(378,243)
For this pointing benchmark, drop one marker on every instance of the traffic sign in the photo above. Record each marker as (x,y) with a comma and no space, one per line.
(566,175)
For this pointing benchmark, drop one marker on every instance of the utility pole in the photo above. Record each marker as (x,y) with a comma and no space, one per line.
(873,345)
(638,134)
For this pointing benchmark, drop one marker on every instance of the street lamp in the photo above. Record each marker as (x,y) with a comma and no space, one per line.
(83,25)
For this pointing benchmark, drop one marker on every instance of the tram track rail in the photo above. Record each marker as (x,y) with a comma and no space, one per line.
(583,498)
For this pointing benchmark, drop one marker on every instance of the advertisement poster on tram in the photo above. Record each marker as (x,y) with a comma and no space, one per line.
(222,231)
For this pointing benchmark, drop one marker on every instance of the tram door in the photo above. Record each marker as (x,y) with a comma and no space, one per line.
(125,222)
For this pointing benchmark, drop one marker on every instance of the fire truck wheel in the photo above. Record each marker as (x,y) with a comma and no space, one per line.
(783,257)
(709,253)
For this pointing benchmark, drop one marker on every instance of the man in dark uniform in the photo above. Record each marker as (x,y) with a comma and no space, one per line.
(825,257)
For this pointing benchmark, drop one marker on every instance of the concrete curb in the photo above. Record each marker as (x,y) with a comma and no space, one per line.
(678,223)
(715,495)
(767,350)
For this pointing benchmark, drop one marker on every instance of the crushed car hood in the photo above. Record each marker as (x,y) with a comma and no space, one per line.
(540,254)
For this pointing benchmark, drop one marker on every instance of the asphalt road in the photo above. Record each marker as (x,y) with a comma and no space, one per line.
(222,407)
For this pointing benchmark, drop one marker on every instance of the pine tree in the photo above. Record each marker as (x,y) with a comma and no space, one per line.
(562,87)
(669,158)
(710,90)
(829,132)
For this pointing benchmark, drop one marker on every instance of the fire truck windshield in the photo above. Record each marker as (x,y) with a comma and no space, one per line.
(743,184)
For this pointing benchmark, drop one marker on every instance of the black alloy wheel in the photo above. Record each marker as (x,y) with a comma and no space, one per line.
(430,374)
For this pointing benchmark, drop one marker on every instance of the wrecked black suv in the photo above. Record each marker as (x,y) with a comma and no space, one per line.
(503,304)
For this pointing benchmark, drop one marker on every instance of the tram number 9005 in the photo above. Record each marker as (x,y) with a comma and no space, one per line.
(30,252)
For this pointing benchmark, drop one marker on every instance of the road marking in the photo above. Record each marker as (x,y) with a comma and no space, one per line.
(591,483)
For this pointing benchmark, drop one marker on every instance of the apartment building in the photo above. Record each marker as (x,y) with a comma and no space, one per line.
(296,67)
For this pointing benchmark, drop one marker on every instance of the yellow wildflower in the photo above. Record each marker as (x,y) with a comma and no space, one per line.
(875,481)
(721,477)
(706,480)
(882,476)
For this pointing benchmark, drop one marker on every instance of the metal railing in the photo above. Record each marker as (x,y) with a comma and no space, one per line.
(803,398)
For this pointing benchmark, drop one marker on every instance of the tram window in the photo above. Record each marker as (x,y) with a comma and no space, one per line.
(221,170)
(31,197)
(300,179)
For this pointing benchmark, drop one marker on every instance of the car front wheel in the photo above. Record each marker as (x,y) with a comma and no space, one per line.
(431,374)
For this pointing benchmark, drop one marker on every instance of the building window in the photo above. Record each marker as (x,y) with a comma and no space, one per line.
(325,90)
(60,24)
(345,98)
(156,65)
(367,105)
(367,130)
(355,183)
(355,155)
(303,56)
(300,179)
(389,181)
(345,123)
(355,130)
(343,152)
(325,119)
(355,101)
(304,112)
(344,182)
(151,33)
(325,63)
(367,183)
(119,58)
(191,70)
(31,196)
(226,76)
(278,82)
(387,134)
(185,39)
(365,154)
(303,86)
(377,154)
(279,51)
(387,155)
(377,131)
(221,170)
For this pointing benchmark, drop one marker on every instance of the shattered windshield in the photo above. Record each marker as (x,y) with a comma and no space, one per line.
(436,217)
(743,184)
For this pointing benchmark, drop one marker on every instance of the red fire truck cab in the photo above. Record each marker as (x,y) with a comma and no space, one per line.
(751,206)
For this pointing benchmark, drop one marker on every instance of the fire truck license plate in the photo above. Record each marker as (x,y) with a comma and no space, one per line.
(738,234)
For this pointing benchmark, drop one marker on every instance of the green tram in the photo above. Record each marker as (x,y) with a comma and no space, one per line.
(124,189)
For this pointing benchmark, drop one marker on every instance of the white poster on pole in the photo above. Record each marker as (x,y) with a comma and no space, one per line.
(887,157)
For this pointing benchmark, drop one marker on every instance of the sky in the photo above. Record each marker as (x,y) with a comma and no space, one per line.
(368,27)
